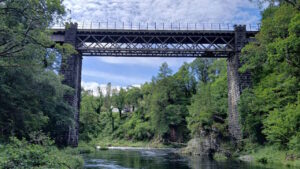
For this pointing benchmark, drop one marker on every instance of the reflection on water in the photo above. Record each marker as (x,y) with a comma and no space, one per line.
(154,159)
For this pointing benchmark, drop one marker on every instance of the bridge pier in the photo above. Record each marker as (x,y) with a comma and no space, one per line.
(71,70)
(236,83)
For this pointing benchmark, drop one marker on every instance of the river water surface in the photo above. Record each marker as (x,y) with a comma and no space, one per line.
(154,159)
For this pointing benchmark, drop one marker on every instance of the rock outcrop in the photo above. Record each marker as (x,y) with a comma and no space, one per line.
(206,144)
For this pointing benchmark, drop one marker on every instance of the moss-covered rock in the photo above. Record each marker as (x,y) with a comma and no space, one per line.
(207,145)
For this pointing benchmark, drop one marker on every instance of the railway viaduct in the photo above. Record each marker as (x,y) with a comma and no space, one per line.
(155,42)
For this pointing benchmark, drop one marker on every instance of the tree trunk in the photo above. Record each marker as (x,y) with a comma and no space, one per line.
(120,113)
(112,123)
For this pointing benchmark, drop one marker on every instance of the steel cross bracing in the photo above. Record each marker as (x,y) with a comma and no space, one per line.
(155,43)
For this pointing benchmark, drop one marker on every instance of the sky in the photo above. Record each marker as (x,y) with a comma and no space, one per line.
(122,72)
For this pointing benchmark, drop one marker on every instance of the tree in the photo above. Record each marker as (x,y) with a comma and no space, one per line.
(31,99)
(186,81)
(168,104)
(294,3)
(164,71)
(119,100)
(89,127)
(133,95)
(31,91)
(24,24)
(108,105)
(200,69)
(282,125)
(100,101)
(208,107)
(269,109)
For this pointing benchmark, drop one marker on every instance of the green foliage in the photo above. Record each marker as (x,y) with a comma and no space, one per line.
(30,100)
(119,100)
(156,110)
(200,69)
(108,105)
(271,3)
(164,71)
(137,128)
(201,113)
(270,110)
(252,116)
(31,93)
(23,24)
(168,103)
(270,155)
(209,105)
(89,116)
(282,125)
(105,124)
(132,97)
(294,143)
(21,154)
(220,157)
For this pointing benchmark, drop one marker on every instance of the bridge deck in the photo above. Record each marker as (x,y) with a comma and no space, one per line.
(153,43)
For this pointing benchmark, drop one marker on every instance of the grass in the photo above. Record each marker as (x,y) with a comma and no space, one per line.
(272,156)
(83,148)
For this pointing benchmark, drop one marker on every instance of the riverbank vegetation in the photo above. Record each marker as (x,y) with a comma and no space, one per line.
(270,110)
(23,154)
(32,107)
(171,110)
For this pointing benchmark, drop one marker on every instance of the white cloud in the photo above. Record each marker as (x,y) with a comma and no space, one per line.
(93,87)
(150,62)
(114,77)
(136,85)
(192,11)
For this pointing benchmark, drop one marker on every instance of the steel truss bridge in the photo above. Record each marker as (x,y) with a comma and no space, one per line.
(155,43)
(142,42)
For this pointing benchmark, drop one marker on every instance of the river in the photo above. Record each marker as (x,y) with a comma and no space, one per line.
(154,159)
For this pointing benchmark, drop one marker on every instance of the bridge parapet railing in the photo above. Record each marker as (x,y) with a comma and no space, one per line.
(156,26)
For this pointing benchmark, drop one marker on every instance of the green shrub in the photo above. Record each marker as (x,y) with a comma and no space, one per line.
(272,156)
(85,148)
(282,126)
(21,154)
(294,144)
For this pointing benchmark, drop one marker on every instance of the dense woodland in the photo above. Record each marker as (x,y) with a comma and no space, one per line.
(168,109)
(173,108)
